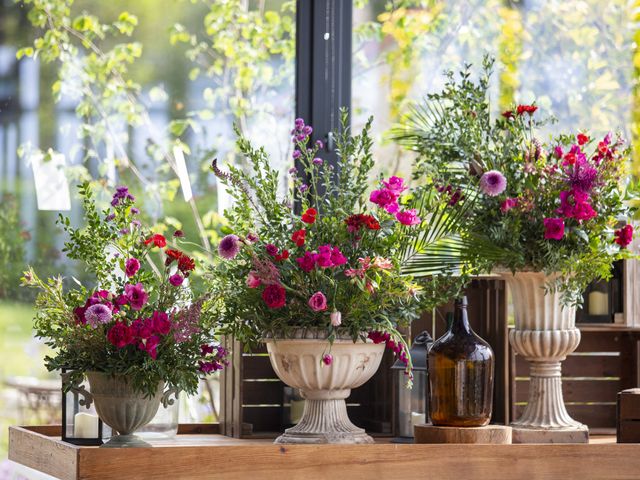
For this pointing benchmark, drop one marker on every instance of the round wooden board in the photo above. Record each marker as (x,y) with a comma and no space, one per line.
(492,434)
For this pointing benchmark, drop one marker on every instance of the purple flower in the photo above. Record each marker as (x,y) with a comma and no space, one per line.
(319,144)
(136,223)
(271,249)
(303,188)
(296,155)
(134,211)
(97,314)
(136,295)
(307,130)
(229,247)
(122,194)
(318,302)
(252,237)
(493,183)
(176,280)
(317,161)
(293,171)
(110,217)
(131,267)
(124,231)
(299,122)
(583,176)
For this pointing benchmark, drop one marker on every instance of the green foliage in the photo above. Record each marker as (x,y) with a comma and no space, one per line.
(458,141)
(12,238)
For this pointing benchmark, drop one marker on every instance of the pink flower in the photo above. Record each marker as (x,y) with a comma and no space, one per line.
(395,184)
(142,329)
(382,263)
(252,237)
(150,346)
(176,279)
(229,247)
(136,295)
(508,204)
(327,359)
(318,302)
(408,217)
(336,318)
(493,183)
(131,267)
(624,236)
(266,271)
(307,262)
(557,151)
(392,207)
(582,139)
(97,314)
(274,296)
(252,280)
(161,323)
(384,198)
(553,228)
(337,258)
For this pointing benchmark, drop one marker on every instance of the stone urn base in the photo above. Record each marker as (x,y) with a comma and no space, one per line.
(298,363)
(122,408)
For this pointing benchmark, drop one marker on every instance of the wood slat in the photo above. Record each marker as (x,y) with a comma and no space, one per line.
(263,419)
(580,366)
(261,393)
(257,367)
(578,390)
(601,342)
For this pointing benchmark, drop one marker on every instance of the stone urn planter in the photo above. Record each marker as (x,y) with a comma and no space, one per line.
(123,409)
(544,334)
(298,363)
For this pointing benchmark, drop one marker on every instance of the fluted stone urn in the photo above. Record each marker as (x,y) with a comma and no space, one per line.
(122,408)
(544,334)
(298,363)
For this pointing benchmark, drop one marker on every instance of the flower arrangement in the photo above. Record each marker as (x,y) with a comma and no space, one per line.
(142,319)
(556,206)
(334,267)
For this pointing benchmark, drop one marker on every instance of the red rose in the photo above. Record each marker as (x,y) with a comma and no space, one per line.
(298,237)
(309,216)
(119,335)
(274,296)
(530,109)
(582,139)
(157,239)
(371,223)
(282,256)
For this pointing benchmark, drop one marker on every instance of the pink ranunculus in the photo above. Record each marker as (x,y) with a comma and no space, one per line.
(336,318)
(553,228)
(176,279)
(131,267)
(408,217)
(318,302)
(395,184)
(252,280)
(136,295)
(508,204)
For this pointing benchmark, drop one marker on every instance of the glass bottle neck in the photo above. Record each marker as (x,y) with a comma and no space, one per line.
(460,322)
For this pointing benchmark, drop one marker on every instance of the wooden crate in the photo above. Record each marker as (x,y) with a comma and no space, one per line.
(605,362)
(210,456)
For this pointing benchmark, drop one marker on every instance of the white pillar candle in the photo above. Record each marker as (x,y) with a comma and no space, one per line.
(85,425)
(598,303)
(418,418)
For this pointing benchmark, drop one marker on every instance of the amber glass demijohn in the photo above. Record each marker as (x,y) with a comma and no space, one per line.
(461,375)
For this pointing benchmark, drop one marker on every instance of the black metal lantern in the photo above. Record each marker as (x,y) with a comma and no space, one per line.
(411,404)
(80,422)
(603,300)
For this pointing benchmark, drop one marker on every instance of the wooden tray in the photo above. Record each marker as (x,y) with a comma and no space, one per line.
(199,452)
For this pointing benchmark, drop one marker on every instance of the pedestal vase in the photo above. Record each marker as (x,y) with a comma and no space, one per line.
(544,334)
(298,363)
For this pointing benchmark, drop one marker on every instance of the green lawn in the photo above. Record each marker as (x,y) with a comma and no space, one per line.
(20,355)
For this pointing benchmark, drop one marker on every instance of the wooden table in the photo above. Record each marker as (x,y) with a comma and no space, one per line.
(199,453)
